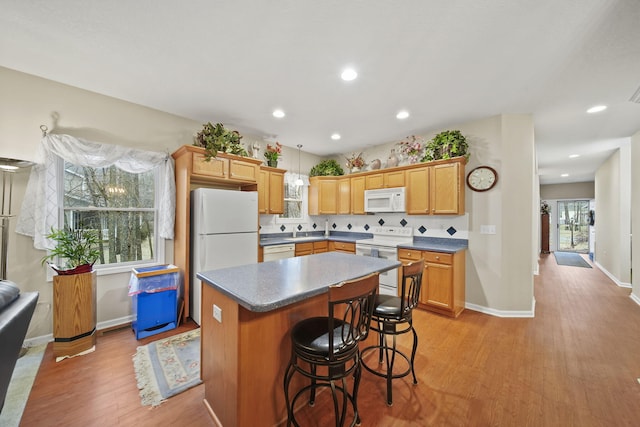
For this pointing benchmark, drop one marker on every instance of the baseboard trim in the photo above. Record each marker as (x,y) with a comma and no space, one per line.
(635,298)
(107,325)
(612,277)
(504,313)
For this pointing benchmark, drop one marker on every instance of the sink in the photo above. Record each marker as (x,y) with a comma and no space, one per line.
(303,238)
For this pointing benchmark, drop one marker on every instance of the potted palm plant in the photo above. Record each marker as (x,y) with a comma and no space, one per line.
(78,249)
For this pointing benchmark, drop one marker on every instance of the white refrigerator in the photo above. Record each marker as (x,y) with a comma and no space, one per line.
(224,233)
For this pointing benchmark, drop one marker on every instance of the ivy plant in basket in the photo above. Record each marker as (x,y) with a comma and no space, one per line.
(446,145)
(77,248)
(214,138)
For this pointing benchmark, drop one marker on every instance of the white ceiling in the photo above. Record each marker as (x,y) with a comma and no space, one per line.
(447,62)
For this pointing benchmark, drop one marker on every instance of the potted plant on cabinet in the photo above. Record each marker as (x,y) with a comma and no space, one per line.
(327,168)
(74,290)
(272,153)
(214,138)
(78,249)
(445,145)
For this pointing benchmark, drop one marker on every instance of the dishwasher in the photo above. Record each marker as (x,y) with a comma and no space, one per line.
(274,252)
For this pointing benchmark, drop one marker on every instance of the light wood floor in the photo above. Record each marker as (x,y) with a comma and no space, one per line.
(576,363)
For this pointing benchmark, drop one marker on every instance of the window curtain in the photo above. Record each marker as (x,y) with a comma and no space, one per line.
(40,208)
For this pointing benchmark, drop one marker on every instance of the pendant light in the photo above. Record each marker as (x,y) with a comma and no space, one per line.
(299,182)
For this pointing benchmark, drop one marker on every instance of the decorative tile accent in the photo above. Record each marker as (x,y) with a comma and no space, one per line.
(282,228)
(422,229)
(403,222)
(334,226)
(451,231)
(366,227)
(381,222)
(315,225)
(349,226)
(299,227)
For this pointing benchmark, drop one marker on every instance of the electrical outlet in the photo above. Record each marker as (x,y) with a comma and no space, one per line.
(487,229)
(217,313)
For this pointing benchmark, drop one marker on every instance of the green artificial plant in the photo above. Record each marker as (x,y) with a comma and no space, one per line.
(75,247)
(214,138)
(446,145)
(327,168)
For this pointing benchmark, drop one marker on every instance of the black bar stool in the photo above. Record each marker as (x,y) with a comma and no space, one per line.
(392,316)
(332,342)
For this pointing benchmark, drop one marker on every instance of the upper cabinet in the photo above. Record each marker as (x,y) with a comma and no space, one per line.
(385,179)
(271,190)
(433,188)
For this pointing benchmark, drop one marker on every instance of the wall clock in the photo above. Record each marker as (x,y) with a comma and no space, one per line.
(482,178)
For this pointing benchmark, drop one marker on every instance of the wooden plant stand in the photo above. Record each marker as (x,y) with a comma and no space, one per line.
(74,313)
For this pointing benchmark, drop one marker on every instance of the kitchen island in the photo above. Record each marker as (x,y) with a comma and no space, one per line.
(247,313)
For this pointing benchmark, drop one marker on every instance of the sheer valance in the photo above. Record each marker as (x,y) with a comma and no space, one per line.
(40,208)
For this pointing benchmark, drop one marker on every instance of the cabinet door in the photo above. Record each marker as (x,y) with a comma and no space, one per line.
(216,167)
(437,286)
(320,247)
(394,179)
(276,192)
(417,191)
(357,195)
(304,249)
(345,247)
(446,194)
(263,191)
(344,196)
(374,181)
(243,171)
(328,197)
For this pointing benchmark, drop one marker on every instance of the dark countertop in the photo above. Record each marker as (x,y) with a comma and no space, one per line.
(435,244)
(270,285)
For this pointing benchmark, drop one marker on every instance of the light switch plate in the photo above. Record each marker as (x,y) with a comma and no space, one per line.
(487,229)
(217,313)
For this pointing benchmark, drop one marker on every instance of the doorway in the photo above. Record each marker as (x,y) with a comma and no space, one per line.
(573,226)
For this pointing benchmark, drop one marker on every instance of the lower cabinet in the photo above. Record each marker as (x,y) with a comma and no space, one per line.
(346,247)
(443,280)
(308,248)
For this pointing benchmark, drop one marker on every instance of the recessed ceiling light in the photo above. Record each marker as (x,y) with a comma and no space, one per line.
(335,136)
(573,156)
(349,74)
(278,113)
(564,175)
(402,114)
(596,109)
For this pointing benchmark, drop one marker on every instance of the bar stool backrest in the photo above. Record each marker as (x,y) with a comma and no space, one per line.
(411,284)
(354,302)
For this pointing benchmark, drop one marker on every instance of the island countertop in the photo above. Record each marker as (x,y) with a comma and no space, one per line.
(270,285)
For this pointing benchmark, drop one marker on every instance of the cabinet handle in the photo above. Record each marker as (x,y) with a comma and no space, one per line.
(437,257)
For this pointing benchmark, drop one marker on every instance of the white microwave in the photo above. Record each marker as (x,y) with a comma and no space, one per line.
(384,200)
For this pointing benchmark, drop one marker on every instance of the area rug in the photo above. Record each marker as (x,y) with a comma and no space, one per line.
(24,374)
(571,258)
(167,367)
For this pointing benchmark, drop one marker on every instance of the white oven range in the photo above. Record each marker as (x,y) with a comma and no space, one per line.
(384,244)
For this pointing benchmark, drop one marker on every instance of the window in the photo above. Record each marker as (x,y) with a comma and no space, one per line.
(294,200)
(119,205)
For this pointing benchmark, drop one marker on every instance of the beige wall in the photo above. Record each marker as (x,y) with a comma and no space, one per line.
(575,190)
(635,213)
(26,102)
(613,216)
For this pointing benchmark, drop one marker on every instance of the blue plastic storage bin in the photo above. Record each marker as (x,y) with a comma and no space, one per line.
(154,293)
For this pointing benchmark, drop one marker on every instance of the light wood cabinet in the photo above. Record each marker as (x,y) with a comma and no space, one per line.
(320,247)
(385,179)
(308,248)
(74,313)
(346,247)
(344,196)
(433,188)
(443,280)
(192,171)
(436,189)
(323,195)
(271,190)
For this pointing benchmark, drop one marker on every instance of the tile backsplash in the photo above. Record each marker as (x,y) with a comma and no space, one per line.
(456,227)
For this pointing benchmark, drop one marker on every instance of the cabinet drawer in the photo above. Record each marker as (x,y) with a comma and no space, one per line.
(323,245)
(439,257)
(304,248)
(411,254)
(343,247)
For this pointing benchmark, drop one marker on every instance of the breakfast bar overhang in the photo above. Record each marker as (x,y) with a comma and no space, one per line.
(247,313)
